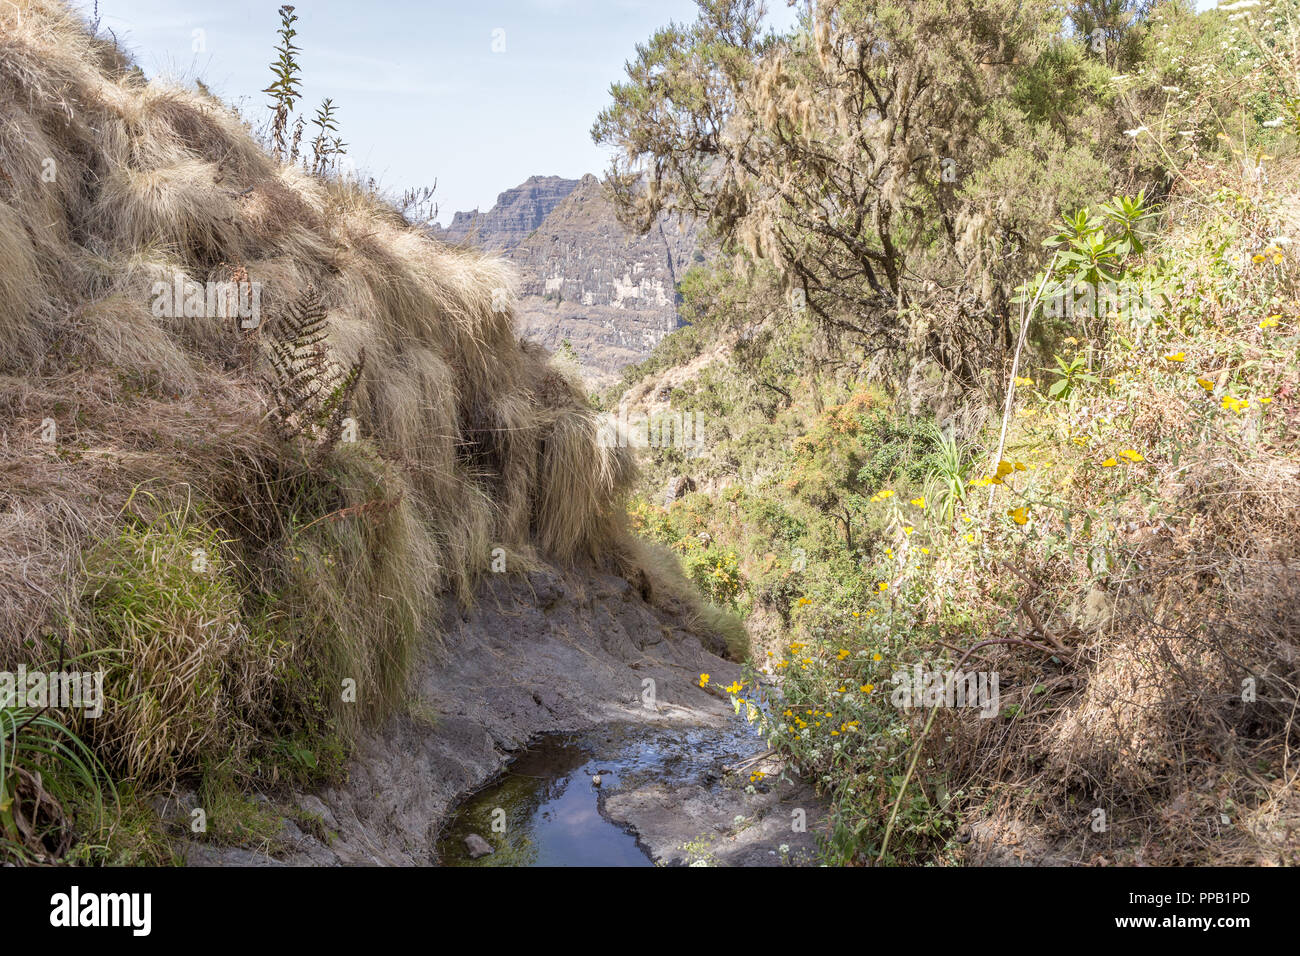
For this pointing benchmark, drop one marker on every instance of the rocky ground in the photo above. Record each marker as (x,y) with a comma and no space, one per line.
(540,653)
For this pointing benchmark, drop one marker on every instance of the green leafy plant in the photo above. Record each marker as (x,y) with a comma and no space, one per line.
(1071,374)
(325,146)
(284,89)
(47,777)
(951,463)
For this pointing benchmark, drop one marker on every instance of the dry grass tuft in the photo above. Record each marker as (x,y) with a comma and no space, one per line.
(325,570)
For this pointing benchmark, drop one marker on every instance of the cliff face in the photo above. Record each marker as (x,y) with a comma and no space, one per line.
(516,214)
(587,280)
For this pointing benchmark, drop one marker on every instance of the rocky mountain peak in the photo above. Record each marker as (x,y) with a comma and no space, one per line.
(585,279)
(517,213)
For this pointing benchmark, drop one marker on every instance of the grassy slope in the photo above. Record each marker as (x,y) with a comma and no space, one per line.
(1130,598)
(251,601)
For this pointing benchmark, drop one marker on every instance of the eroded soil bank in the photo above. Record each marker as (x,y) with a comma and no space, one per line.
(544,654)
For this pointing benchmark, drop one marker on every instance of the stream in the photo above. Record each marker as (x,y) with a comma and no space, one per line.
(545,810)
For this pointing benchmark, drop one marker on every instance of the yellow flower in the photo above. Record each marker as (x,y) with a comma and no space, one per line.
(876,657)
(1022,382)
(1176,357)
(1265,400)
(970,538)
(908,530)
(1019,515)
(919,502)
(842,654)
(1270,322)
(734,687)
(1132,455)
(1205,383)
(925,550)
(1235,404)
(867,688)
(883,586)
(855,613)
(704,680)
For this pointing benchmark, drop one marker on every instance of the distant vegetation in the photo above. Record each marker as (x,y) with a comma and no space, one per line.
(999,364)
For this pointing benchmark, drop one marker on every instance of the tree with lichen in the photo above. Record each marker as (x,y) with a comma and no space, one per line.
(893,161)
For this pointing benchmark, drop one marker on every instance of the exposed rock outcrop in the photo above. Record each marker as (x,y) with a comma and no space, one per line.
(585,278)
(516,214)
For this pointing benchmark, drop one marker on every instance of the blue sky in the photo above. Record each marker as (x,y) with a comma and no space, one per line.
(420,92)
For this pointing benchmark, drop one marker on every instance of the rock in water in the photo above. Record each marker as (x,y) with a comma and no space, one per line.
(596,780)
(477,846)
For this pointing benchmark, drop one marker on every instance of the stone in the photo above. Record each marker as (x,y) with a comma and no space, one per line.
(312,805)
(677,486)
(477,846)
(517,213)
(584,278)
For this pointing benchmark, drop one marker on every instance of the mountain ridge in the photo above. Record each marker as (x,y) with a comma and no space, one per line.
(585,279)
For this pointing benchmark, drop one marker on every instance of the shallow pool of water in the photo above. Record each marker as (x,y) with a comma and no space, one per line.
(544,809)
(546,812)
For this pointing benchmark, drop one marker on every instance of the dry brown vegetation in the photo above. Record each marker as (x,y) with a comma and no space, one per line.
(318,570)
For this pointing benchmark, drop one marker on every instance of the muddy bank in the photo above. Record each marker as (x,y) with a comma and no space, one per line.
(549,653)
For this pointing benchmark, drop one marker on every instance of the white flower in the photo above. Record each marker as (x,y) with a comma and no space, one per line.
(1273,123)
(1135,133)
(784,848)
